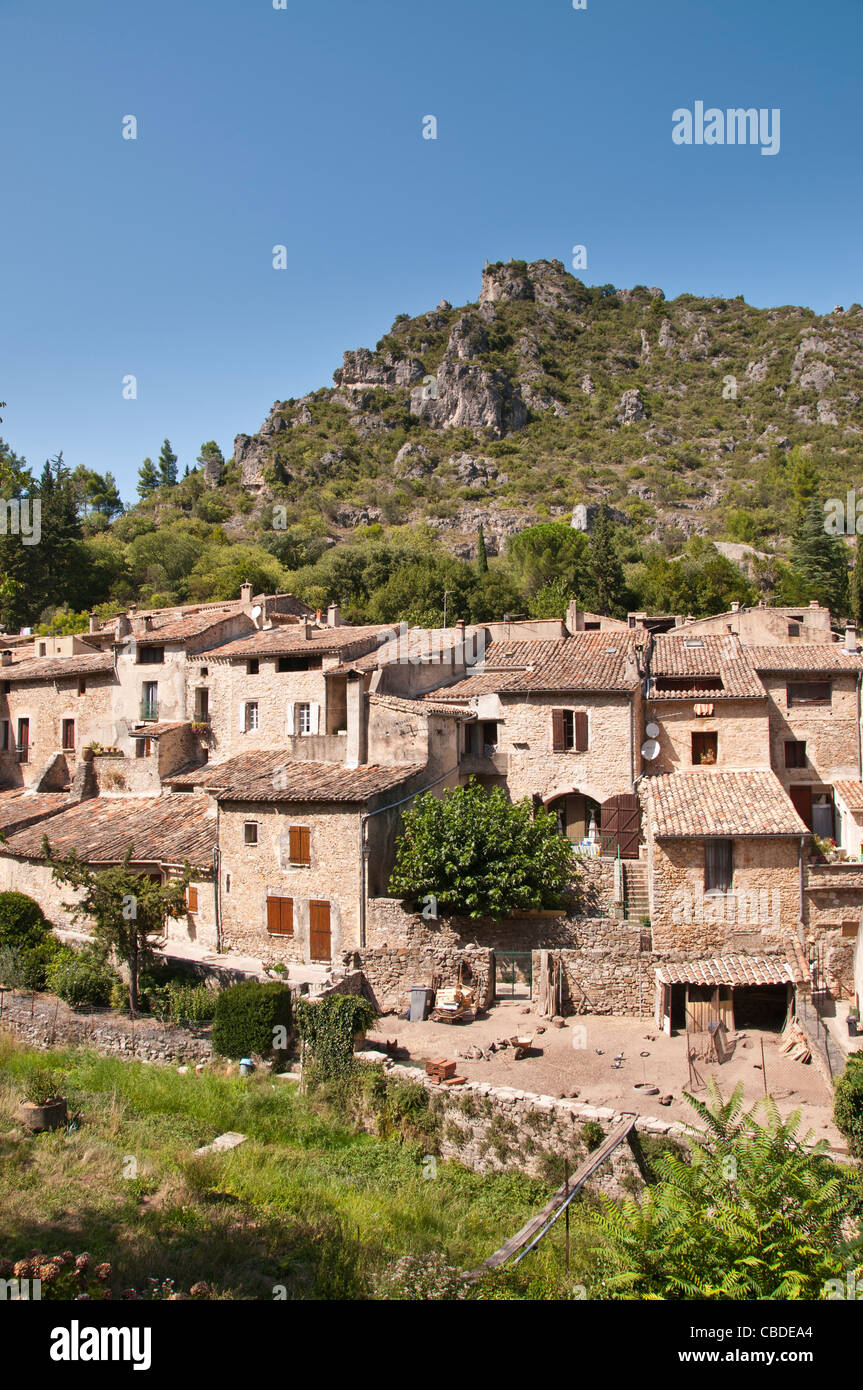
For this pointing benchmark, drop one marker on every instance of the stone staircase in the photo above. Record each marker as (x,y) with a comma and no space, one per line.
(636,900)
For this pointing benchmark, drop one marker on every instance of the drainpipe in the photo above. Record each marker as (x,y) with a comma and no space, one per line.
(859,737)
(802,924)
(217,890)
(365,848)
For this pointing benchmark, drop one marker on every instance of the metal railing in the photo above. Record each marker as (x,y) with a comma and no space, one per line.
(149,709)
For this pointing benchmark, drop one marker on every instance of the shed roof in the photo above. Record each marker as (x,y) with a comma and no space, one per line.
(695,805)
(162,830)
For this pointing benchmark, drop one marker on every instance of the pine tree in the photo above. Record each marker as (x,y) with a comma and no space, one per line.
(857,585)
(481,556)
(606,571)
(148,478)
(167,465)
(820,561)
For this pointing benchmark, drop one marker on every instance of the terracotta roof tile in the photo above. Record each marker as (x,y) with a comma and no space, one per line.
(291,640)
(52,668)
(713,658)
(163,830)
(268,775)
(479,683)
(851,793)
(814,656)
(425,707)
(18,808)
(729,970)
(687,805)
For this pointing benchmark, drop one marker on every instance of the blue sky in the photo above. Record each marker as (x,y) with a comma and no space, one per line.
(303,127)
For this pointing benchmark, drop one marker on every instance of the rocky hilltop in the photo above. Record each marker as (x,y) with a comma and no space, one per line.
(547,394)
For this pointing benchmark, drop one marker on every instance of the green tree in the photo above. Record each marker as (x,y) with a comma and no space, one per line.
(480,855)
(481,556)
(805,478)
(609,592)
(856,587)
(820,561)
(148,478)
(547,552)
(127,910)
(753,1213)
(167,465)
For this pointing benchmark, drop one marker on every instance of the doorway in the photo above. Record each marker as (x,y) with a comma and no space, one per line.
(320,937)
(513,974)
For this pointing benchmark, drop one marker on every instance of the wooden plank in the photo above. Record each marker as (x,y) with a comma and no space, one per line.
(556,1201)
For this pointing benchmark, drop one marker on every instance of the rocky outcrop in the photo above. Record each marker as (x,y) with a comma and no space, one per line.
(505,282)
(413,461)
(468,338)
(252,455)
(465,397)
(630,408)
(585,514)
(363,369)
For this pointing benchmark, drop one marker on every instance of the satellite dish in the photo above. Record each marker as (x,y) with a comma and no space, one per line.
(256,611)
(652,730)
(649,749)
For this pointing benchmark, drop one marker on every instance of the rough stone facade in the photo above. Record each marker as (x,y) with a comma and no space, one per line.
(43,1021)
(741,726)
(831,732)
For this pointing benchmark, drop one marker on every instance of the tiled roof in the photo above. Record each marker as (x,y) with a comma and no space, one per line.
(715,656)
(424,708)
(596,661)
(729,970)
(52,668)
(807,656)
(480,683)
(154,730)
(291,640)
(269,776)
(162,830)
(698,804)
(193,625)
(415,646)
(851,793)
(18,808)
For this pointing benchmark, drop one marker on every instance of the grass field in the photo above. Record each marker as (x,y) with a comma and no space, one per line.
(308,1204)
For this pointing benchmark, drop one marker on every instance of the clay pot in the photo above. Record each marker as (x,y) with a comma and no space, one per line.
(38,1118)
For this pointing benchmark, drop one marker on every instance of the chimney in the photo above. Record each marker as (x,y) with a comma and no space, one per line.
(133,609)
(124,627)
(735,605)
(148,623)
(307,631)
(851,637)
(813,603)
(356,744)
(6,657)
(94,621)
(246,593)
(459,627)
(334,616)
(319,613)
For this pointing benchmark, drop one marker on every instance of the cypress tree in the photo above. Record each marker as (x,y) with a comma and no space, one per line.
(820,560)
(606,571)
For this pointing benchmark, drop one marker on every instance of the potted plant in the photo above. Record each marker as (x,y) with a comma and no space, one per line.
(853,1020)
(43,1107)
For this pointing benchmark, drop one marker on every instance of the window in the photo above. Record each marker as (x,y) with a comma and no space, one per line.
(299,663)
(793,629)
(304,719)
(250,722)
(150,700)
(705,749)
(569,731)
(68,736)
(300,844)
(5,735)
(23,740)
(808,693)
(668,684)
(82,686)
(143,747)
(204,672)
(250,832)
(253,666)
(717,866)
(795,753)
(43,648)
(151,656)
(192,898)
(280,916)
(202,705)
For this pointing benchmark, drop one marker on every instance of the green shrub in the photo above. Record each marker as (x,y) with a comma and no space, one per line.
(81,977)
(328,1028)
(190,1003)
(848,1104)
(40,1086)
(247,1016)
(22,922)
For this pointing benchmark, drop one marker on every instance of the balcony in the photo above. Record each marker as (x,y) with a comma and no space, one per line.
(486,761)
(149,710)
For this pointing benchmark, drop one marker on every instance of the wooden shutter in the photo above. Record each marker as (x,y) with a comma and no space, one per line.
(320,943)
(620,825)
(558,731)
(299,844)
(580,739)
(192,898)
(280,916)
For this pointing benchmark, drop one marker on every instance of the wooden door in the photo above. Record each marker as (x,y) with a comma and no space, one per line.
(620,825)
(320,941)
(802,799)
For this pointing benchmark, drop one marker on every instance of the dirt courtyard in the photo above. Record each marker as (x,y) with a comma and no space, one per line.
(581,1063)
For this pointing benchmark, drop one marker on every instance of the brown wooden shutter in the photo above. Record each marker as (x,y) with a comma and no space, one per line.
(620,825)
(192,898)
(558,731)
(299,844)
(287,916)
(580,722)
(273,915)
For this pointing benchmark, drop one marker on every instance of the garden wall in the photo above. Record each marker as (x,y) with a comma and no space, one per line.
(44,1021)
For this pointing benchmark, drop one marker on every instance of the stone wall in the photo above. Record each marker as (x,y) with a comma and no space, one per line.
(606,768)
(46,706)
(43,1021)
(495,1128)
(742,729)
(830,732)
(834,910)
